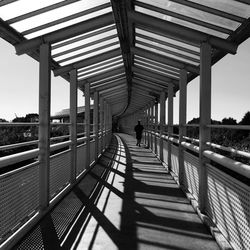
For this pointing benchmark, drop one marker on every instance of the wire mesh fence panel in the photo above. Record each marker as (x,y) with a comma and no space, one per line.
(19,195)
(191,174)
(228,205)
(60,170)
(81,156)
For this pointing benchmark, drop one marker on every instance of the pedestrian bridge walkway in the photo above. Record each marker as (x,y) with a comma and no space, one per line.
(128,200)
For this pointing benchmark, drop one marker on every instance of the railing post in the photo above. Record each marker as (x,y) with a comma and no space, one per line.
(101,121)
(73,123)
(156,126)
(182,120)
(151,125)
(162,120)
(105,123)
(87,122)
(205,119)
(96,122)
(170,121)
(44,124)
(147,126)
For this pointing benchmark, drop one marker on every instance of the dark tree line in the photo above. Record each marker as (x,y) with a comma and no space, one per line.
(236,138)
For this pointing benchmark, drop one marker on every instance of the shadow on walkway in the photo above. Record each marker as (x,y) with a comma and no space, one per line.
(127,201)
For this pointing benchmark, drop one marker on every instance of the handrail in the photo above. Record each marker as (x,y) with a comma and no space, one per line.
(82,139)
(28,143)
(26,155)
(243,127)
(173,140)
(229,149)
(18,157)
(226,162)
(9,124)
(18,145)
(191,125)
(191,139)
(190,146)
(60,123)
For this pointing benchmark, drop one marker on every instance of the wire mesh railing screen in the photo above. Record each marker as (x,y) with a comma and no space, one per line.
(175,159)
(153,143)
(59,172)
(158,145)
(165,151)
(81,156)
(19,192)
(191,174)
(228,205)
(100,146)
(92,151)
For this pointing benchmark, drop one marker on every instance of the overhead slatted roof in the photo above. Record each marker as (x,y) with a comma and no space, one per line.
(129,51)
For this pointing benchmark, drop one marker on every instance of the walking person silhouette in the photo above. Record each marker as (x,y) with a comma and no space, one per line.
(138,130)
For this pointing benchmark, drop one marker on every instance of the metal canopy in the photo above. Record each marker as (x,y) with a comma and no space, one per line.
(129,51)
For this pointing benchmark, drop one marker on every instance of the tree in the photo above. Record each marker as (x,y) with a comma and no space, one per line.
(246,119)
(229,121)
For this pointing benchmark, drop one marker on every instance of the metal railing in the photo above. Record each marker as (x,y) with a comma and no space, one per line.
(228,183)
(20,190)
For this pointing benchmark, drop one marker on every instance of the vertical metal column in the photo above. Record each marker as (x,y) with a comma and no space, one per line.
(44,124)
(151,124)
(96,122)
(148,126)
(182,120)
(73,123)
(101,121)
(105,123)
(162,120)
(144,125)
(205,119)
(170,121)
(87,122)
(156,127)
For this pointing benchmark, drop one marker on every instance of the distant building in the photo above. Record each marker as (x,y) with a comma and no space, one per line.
(63,116)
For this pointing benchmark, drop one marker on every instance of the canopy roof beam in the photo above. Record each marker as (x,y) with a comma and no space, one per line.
(211,10)
(165,60)
(104,75)
(65,33)
(152,74)
(151,86)
(181,32)
(184,18)
(87,62)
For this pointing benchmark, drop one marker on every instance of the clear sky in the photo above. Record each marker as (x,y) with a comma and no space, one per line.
(19,86)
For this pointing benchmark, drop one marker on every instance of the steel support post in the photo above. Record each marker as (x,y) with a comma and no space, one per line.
(101,121)
(182,120)
(151,125)
(205,119)
(162,120)
(105,123)
(44,124)
(170,121)
(73,123)
(144,125)
(148,126)
(96,122)
(156,127)
(87,122)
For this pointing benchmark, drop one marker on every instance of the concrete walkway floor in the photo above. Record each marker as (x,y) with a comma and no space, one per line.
(127,201)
